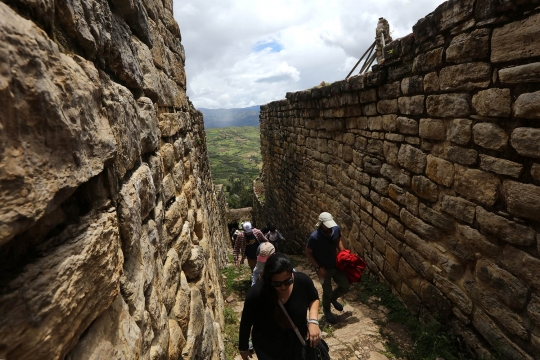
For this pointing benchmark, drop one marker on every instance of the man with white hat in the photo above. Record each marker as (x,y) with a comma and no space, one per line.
(263,253)
(321,250)
(246,245)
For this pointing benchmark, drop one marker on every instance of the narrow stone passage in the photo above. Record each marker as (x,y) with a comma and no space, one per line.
(356,335)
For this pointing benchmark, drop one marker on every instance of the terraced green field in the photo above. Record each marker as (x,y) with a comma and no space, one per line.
(234,151)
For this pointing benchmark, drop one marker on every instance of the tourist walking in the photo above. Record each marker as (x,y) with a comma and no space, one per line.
(272,334)
(321,250)
(246,245)
(274,236)
(263,253)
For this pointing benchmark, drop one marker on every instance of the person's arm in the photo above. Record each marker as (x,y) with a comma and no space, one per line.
(260,236)
(339,245)
(280,236)
(321,272)
(314,332)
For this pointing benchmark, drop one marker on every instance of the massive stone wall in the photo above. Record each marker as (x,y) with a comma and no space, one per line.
(111,230)
(431,164)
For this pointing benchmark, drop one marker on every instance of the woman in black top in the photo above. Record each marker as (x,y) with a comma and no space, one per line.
(272,335)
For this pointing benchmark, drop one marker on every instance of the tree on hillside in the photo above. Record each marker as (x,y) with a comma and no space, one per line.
(240,192)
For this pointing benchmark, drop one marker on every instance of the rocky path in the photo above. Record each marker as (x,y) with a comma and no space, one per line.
(356,334)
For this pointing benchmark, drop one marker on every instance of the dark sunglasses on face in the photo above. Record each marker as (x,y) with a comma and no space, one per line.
(287,282)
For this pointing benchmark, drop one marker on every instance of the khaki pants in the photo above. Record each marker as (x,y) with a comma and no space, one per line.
(342,282)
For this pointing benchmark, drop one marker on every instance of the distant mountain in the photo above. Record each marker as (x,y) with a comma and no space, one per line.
(220,118)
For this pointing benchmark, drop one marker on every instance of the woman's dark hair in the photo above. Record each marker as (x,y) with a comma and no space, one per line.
(271,227)
(276,264)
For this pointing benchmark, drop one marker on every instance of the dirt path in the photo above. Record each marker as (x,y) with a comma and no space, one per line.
(356,334)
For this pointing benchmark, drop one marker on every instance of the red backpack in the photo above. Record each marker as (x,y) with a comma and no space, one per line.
(351,264)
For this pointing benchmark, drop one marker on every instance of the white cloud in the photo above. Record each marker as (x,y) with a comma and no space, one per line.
(242,52)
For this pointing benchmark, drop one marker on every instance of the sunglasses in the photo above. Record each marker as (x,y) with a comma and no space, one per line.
(287,282)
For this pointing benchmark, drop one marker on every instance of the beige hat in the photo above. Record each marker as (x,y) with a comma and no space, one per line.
(326,219)
(265,250)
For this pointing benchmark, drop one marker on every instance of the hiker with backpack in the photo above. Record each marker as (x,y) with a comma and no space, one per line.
(321,250)
(247,243)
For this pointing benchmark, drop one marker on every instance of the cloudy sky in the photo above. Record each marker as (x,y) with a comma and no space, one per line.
(241,53)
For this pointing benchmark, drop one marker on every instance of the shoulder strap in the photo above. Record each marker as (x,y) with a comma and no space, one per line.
(292,324)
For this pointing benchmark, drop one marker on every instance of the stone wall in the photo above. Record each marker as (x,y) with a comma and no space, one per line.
(431,164)
(111,230)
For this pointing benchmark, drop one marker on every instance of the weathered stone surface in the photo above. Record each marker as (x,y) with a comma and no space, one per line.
(448,105)
(390,150)
(533,309)
(459,131)
(521,264)
(413,105)
(149,135)
(123,60)
(454,293)
(368,96)
(196,325)
(535,171)
(502,283)
(462,155)
(476,185)
(431,83)
(387,106)
(407,126)
(55,293)
(425,188)
(453,12)
(490,136)
(467,76)
(389,122)
(428,61)
(436,218)
(503,228)
(459,208)
(471,239)
(113,334)
(526,141)
(493,102)
(396,175)
(432,129)
(389,91)
(515,41)
(412,159)
(527,106)
(176,340)
(500,166)
(426,231)
(469,47)
(440,170)
(489,303)
(522,199)
(520,74)
(56,156)
(193,266)
(491,332)
(412,85)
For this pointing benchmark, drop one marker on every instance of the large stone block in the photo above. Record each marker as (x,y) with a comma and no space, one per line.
(469,47)
(459,131)
(459,208)
(396,175)
(412,85)
(521,264)
(409,200)
(390,91)
(522,199)
(428,61)
(500,166)
(493,102)
(407,126)
(436,218)
(503,228)
(453,12)
(490,136)
(440,170)
(431,83)
(432,129)
(56,309)
(526,141)
(44,162)
(533,309)
(508,288)
(425,188)
(467,76)
(527,106)
(426,231)
(476,185)
(412,159)
(454,293)
(520,74)
(448,105)
(461,155)
(413,105)
(387,106)
(516,41)
(390,150)
(471,240)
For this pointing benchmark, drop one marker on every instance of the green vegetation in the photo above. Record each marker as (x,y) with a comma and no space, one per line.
(235,161)
(429,341)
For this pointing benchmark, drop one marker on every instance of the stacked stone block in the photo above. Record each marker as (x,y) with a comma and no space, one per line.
(430,163)
(111,230)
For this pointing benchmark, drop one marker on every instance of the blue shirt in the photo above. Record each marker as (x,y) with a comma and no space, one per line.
(324,246)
